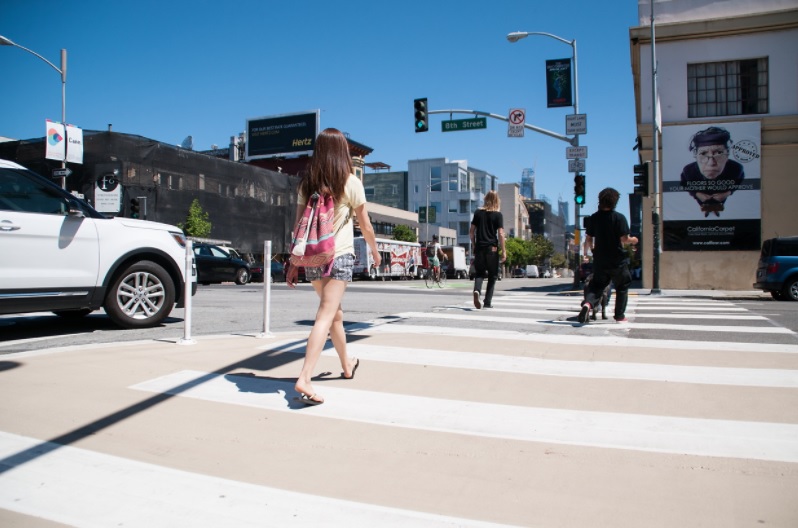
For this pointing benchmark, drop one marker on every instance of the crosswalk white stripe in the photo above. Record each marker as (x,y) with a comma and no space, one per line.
(663,434)
(84,488)
(743,377)
(570,311)
(651,326)
(683,308)
(374,327)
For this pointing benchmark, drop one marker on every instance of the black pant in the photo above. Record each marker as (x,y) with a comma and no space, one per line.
(486,259)
(619,276)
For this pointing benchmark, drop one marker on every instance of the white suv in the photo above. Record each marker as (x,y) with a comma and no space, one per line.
(58,254)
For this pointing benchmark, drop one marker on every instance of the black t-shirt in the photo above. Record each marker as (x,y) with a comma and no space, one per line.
(487,225)
(607,228)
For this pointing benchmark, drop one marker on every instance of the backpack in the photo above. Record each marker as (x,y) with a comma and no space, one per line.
(313,244)
(431,251)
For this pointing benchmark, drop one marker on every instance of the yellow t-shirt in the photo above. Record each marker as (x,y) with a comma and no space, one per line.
(354,197)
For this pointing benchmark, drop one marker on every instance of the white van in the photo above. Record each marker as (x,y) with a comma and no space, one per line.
(532,272)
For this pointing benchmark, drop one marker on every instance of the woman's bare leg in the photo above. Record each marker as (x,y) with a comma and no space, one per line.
(330,292)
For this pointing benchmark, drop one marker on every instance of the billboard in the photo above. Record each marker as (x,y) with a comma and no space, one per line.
(711,187)
(281,135)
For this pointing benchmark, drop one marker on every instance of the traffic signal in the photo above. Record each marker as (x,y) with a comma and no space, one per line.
(579,189)
(135,208)
(641,179)
(422,118)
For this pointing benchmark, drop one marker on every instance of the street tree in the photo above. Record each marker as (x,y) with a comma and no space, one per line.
(517,252)
(404,233)
(197,222)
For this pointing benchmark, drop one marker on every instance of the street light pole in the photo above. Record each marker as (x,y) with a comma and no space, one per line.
(515,37)
(655,215)
(62,71)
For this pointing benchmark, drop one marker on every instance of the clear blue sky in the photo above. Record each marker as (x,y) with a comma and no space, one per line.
(170,69)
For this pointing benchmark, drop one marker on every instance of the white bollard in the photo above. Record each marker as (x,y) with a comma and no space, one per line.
(188,282)
(267,288)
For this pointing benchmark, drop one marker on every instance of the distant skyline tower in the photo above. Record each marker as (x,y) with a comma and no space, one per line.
(528,184)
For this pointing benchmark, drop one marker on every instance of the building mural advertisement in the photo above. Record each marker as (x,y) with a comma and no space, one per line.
(711,187)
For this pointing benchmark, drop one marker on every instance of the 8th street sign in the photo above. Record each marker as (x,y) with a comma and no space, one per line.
(464,124)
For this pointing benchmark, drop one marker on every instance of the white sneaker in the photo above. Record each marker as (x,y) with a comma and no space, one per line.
(477,300)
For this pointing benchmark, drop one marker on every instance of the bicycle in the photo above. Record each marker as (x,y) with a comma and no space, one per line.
(430,280)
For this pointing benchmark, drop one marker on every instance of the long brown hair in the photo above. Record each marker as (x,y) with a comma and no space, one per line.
(330,165)
(492,202)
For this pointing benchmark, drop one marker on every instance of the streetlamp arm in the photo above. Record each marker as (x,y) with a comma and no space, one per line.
(8,42)
(518,35)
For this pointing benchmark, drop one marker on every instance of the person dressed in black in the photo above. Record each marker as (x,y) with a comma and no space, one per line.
(712,177)
(607,233)
(487,234)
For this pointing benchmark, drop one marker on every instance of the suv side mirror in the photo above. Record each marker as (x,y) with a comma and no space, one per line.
(74,209)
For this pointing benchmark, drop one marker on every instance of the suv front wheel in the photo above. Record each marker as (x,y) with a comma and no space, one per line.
(141,296)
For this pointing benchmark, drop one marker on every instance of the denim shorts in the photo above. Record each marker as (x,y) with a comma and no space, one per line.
(341,269)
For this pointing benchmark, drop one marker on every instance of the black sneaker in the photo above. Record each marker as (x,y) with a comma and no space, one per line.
(584,314)
(477,301)
(487,306)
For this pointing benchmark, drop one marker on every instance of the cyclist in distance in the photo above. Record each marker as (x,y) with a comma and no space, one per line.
(433,250)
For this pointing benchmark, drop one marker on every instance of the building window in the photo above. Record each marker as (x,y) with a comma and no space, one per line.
(453,184)
(369,193)
(727,88)
(454,206)
(394,189)
(435,179)
(465,227)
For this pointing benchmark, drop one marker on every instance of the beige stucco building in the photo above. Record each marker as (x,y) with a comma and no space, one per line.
(728,66)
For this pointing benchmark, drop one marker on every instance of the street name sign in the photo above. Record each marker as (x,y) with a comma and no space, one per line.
(453,125)
(576,165)
(575,152)
(576,124)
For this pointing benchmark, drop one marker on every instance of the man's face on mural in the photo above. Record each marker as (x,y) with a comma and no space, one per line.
(711,160)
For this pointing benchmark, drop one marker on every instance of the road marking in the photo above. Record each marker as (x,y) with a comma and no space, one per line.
(572,311)
(626,326)
(662,434)
(742,377)
(567,339)
(79,487)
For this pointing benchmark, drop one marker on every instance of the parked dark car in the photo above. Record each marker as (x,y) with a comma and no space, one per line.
(519,273)
(215,265)
(277,271)
(777,270)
